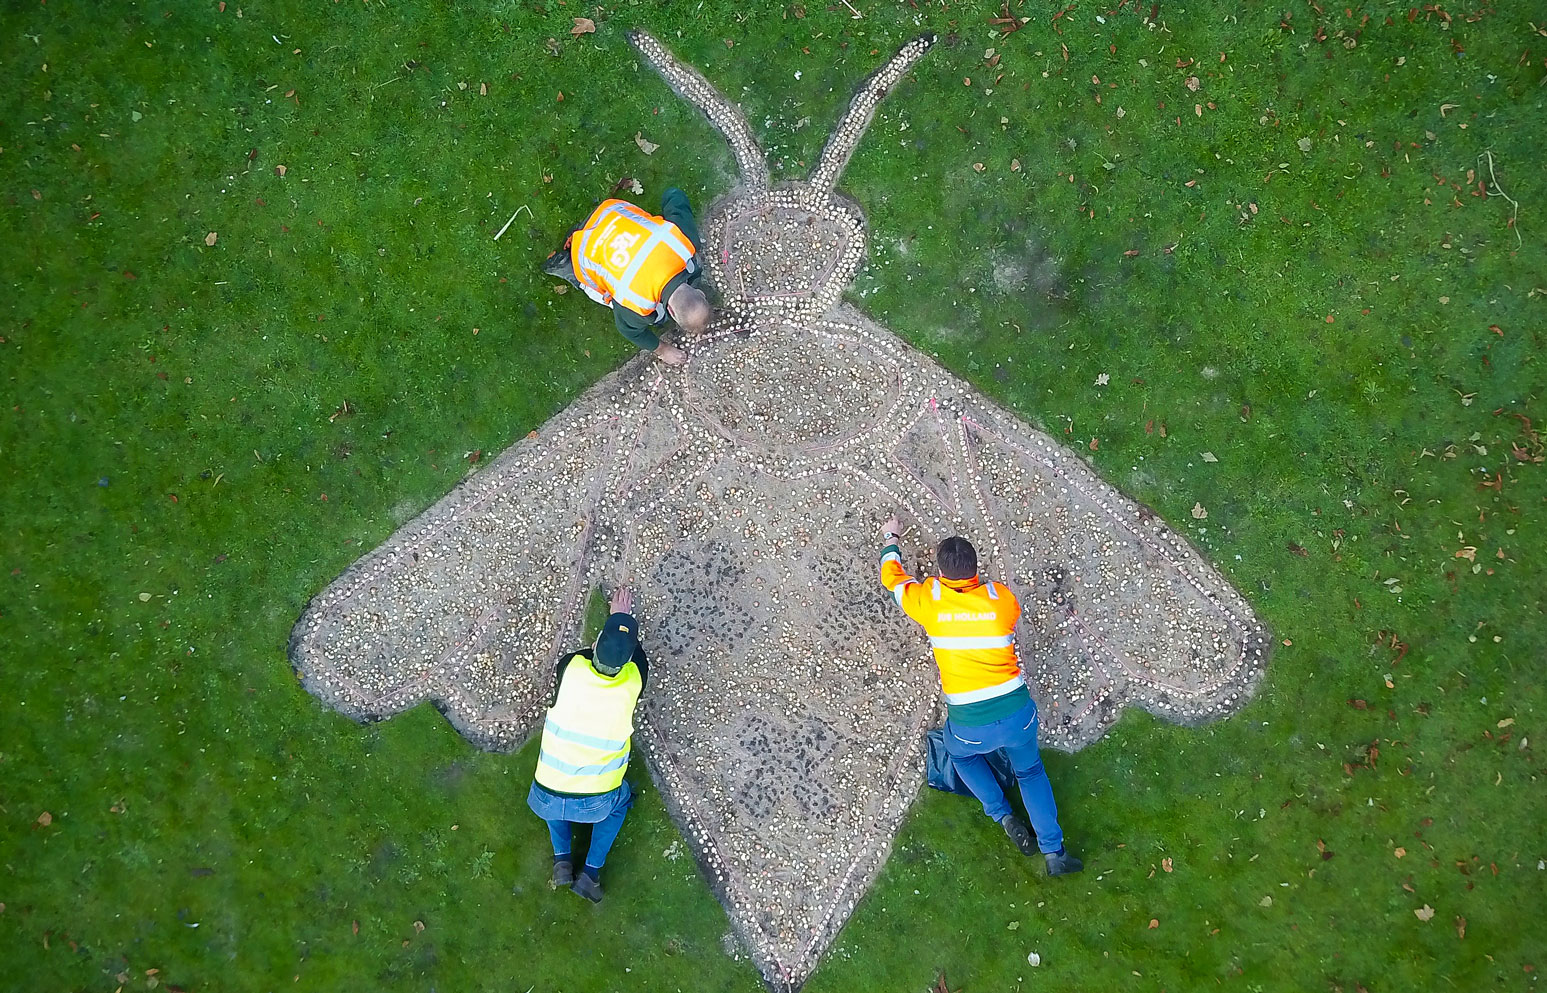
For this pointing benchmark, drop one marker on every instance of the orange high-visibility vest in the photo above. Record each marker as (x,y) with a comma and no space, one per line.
(971,627)
(627,255)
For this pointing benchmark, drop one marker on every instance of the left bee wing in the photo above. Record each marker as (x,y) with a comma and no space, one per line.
(469,604)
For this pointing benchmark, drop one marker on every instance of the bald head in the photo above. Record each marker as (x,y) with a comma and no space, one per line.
(689,308)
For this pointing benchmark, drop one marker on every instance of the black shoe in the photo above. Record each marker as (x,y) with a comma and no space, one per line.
(1061,863)
(589,887)
(559,264)
(563,873)
(1019,834)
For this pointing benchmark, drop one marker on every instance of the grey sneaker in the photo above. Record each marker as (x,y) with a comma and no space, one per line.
(563,873)
(587,887)
(1019,834)
(1062,864)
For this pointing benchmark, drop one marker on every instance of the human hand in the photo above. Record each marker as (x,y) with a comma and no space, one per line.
(622,601)
(892,526)
(670,354)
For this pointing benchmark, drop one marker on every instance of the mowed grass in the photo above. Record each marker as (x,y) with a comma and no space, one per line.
(1291,268)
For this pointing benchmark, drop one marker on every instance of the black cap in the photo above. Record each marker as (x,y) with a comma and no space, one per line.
(616,644)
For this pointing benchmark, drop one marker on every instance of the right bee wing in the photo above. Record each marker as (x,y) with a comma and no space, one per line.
(1118,608)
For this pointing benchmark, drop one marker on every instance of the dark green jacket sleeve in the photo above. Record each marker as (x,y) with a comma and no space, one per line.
(634,327)
(644,666)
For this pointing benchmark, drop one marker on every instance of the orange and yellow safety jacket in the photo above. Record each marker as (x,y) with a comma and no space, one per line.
(627,255)
(971,627)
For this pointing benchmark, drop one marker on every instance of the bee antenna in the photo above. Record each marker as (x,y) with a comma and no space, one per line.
(845,138)
(727,118)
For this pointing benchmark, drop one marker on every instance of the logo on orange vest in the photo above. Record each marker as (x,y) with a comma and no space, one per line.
(966,615)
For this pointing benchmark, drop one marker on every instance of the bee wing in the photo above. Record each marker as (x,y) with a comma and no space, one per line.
(1117,607)
(469,604)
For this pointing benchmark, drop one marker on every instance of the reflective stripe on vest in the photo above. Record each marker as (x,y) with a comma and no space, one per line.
(985,692)
(981,641)
(587,736)
(628,255)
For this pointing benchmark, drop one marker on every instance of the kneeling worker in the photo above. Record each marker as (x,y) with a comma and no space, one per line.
(971,626)
(585,746)
(644,266)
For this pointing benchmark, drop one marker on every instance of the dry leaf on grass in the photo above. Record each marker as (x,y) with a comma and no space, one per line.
(210,239)
(1198,512)
(645,145)
(45,819)
(1424,913)
(583,25)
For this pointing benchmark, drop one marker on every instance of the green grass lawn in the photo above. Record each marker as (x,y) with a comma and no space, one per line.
(223,226)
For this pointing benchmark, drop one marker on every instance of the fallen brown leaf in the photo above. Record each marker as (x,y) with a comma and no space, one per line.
(45,819)
(1424,913)
(210,239)
(583,25)
(645,145)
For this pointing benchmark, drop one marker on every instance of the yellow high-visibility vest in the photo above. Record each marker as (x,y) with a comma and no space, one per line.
(587,736)
(628,255)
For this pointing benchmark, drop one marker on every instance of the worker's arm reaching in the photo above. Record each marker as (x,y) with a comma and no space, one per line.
(903,587)
(635,327)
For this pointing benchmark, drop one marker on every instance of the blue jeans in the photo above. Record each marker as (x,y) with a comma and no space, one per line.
(1017,735)
(604,810)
